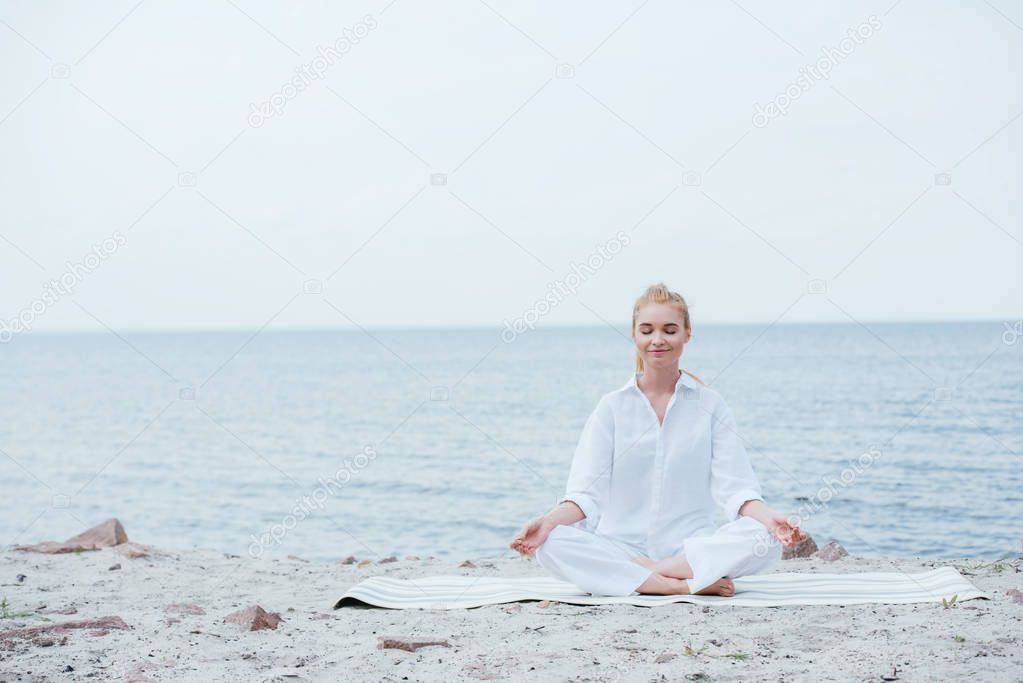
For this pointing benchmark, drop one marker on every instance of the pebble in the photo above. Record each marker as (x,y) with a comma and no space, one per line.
(804,548)
(253,618)
(832,551)
(183,608)
(408,644)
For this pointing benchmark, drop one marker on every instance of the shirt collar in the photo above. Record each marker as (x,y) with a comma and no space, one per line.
(684,380)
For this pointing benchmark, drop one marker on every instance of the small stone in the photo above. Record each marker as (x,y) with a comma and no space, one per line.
(388,560)
(31,632)
(67,669)
(253,618)
(365,563)
(134,551)
(349,560)
(832,551)
(804,548)
(412,557)
(105,535)
(1017,596)
(296,558)
(543,604)
(664,657)
(408,644)
(183,608)
(21,578)
(468,564)
(114,567)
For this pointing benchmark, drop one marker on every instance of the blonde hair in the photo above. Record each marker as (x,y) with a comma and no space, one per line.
(658,294)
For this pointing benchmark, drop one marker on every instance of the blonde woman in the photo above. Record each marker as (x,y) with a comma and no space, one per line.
(654,459)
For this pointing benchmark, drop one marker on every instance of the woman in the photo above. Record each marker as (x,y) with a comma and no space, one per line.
(654,458)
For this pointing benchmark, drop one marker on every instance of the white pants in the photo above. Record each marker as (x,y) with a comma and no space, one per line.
(602,565)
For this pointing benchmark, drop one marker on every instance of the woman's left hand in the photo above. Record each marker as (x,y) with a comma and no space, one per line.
(784,529)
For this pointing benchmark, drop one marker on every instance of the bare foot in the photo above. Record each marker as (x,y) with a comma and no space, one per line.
(723,587)
(657,584)
(676,567)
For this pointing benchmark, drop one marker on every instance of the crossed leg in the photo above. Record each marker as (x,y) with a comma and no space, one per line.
(739,548)
(603,566)
(669,576)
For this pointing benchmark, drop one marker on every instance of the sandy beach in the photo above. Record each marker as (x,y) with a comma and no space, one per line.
(163,620)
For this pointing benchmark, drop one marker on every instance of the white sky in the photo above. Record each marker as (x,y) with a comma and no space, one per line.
(540,169)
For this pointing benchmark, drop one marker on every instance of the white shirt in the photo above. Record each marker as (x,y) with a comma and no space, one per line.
(652,485)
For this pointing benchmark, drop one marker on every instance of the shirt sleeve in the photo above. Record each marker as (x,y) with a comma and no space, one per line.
(732,481)
(589,478)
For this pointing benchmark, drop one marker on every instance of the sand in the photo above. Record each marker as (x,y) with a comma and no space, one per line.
(977,639)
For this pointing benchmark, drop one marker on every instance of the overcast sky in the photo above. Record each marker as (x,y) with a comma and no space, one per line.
(459,156)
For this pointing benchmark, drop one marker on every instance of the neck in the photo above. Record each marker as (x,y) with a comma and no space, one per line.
(659,380)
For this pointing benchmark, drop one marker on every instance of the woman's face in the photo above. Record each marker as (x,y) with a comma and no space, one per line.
(660,334)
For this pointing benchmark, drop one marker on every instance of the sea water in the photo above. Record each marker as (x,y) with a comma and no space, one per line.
(895,439)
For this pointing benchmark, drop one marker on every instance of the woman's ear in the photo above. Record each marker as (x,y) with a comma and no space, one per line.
(689,335)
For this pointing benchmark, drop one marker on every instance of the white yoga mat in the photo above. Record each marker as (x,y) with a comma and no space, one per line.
(763,590)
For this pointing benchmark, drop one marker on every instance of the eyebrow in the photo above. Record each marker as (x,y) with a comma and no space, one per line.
(665,324)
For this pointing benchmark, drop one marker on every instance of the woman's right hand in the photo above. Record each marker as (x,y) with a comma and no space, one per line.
(532,535)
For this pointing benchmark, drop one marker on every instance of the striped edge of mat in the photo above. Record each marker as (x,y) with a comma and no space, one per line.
(764,590)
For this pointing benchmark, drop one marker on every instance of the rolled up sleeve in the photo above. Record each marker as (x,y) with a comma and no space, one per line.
(732,480)
(589,478)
